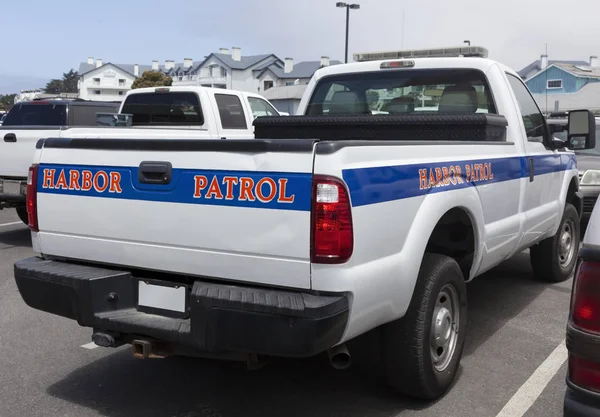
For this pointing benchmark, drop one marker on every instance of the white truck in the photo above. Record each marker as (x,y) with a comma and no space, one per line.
(325,227)
(169,112)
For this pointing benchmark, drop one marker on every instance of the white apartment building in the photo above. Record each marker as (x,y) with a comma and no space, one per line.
(222,69)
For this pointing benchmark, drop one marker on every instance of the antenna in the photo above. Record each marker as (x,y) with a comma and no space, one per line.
(546,72)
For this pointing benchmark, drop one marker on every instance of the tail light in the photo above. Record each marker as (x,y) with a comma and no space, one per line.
(584,374)
(585,309)
(31,198)
(332,234)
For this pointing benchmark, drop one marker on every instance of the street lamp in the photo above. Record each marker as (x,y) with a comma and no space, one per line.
(467,42)
(348,7)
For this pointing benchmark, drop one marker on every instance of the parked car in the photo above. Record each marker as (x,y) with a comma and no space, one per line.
(316,231)
(173,112)
(588,166)
(23,125)
(582,396)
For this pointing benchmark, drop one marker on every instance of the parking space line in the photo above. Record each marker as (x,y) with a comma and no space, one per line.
(90,345)
(524,398)
(11,223)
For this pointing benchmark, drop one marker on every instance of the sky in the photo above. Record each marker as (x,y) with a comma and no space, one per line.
(44,38)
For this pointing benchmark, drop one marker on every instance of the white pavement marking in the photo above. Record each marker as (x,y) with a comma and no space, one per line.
(11,223)
(534,386)
(90,345)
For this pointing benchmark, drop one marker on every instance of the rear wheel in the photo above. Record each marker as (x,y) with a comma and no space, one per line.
(422,350)
(554,258)
(22,212)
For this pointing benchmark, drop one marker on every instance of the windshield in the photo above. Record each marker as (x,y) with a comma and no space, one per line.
(407,91)
(37,114)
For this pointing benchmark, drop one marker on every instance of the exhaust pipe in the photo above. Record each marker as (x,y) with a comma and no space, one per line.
(339,357)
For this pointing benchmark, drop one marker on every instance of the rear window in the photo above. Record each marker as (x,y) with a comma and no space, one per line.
(405,91)
(37,114)
(172,108)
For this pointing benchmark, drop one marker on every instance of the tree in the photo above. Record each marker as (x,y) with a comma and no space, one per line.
(54,87)
(7,101)
(152,79)
(68,83)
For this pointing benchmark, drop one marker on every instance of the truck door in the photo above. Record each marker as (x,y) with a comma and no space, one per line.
(541,167)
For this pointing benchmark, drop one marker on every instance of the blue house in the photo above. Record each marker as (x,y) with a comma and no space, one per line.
(560,77)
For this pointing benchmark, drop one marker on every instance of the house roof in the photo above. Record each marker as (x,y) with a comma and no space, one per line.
(537,65)
(584,71)
(84,67)
(245,62)
(304,69)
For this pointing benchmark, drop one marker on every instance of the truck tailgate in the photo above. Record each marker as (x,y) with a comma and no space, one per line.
(229,209)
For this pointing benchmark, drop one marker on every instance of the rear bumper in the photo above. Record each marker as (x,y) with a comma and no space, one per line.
(17,193)
(218,318)
(581,403)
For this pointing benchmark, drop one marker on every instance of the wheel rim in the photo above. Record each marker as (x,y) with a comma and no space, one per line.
(566,243)
(444,327)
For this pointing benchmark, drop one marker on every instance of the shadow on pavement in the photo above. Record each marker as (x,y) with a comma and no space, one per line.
(20,237)
(497,296)
(118,385)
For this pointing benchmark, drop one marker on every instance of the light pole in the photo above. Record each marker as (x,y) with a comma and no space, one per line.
(348,7)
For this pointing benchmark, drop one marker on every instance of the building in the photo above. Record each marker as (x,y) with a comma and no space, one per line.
(222,69)
(564,85)
(284,87)
(109,82)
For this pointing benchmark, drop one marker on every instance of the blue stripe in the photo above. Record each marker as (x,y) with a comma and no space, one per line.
(182,186)
(369,185)
(374,185)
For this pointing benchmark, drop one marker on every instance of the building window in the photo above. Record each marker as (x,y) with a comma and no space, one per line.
(268,84)
(288,83)
(121,93)
(97,92)
(121,82)
(96,81)
(553,84)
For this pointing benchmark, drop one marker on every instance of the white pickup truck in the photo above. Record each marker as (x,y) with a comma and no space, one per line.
(326,226)
(169,112)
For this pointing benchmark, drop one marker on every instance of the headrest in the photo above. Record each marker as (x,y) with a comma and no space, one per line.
(459,98)
(346,102)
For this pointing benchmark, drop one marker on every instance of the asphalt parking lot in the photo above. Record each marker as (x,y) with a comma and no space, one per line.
(48,369)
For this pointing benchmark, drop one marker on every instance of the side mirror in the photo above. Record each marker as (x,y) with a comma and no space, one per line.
(581,130)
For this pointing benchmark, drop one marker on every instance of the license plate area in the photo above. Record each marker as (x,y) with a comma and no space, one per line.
(12,188)
(163,298)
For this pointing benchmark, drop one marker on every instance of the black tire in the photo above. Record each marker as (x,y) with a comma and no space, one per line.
(407,342)
(546,257)
(22,212)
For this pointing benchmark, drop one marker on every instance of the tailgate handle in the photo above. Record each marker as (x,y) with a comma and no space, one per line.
(10,137)
(155,172)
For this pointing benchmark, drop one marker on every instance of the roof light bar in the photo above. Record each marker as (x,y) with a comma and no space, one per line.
(459,51)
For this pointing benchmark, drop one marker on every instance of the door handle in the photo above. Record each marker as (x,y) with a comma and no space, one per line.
(10,137)
(152,172)
(531,172)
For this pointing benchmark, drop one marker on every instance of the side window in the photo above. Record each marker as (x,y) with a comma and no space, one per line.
(261,108)
(231,111)
(530,112)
